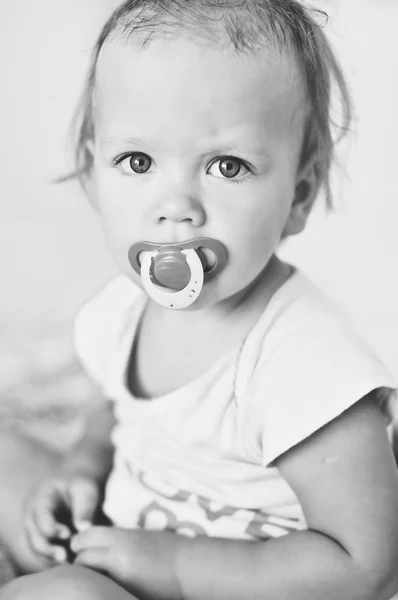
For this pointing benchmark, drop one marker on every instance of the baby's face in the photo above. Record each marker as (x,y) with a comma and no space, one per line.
(196,141)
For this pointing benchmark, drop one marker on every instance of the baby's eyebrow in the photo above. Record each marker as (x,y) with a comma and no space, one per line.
(225,149)
(131,141)
(258,151)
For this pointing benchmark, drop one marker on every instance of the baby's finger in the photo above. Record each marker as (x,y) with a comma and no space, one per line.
(44,512)
(99,559)
(60,554)
(49,526)
(37,541)
(97,537)
(84,500)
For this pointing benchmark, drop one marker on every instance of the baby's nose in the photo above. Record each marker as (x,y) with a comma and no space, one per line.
(179,209)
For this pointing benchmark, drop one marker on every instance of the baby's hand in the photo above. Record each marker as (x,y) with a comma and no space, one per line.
(57,509)
(140,561)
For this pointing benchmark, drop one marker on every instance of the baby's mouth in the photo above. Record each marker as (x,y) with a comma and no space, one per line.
(177,271)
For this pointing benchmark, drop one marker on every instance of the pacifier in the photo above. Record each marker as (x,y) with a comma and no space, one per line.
(173,275)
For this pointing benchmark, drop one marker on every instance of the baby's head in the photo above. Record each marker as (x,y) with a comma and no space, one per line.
(185,100)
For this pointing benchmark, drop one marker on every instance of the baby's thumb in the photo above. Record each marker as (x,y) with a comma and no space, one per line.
(84,499)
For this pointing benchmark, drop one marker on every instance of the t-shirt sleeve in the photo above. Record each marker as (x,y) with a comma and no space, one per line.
(309,379)
(99,326)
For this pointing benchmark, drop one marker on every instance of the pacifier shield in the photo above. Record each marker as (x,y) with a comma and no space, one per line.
(170,268)
(212,254)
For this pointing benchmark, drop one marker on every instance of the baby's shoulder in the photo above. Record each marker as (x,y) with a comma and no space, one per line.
(299,313)
(306,364)
(306,346)
(104,321)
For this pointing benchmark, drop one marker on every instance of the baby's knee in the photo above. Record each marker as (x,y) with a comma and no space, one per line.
(66,582)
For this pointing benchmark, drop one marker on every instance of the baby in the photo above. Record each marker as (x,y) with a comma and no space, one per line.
(246,455)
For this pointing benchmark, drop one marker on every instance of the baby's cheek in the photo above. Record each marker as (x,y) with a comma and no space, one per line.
(117,233)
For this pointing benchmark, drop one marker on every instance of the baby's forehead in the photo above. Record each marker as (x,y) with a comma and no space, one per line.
(185,71)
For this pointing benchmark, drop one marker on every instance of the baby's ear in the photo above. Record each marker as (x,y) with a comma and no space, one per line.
(306,190)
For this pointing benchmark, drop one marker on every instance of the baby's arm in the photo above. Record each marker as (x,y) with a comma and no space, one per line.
(346,480)
(347,483)
(94,454)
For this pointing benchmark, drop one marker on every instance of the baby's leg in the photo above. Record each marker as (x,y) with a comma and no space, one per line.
(64,583)
(23,463)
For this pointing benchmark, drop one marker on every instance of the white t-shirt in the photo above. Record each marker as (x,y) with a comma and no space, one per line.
(199,460)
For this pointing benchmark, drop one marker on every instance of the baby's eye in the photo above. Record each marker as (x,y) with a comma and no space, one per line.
(136,162)
(228,167)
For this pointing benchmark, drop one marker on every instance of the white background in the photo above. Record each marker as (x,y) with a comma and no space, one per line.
(52,256)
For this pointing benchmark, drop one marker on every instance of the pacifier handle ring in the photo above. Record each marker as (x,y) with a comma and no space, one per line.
(174,300)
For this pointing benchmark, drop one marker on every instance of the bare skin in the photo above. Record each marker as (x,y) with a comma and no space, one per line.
(23,463)
(65,583)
